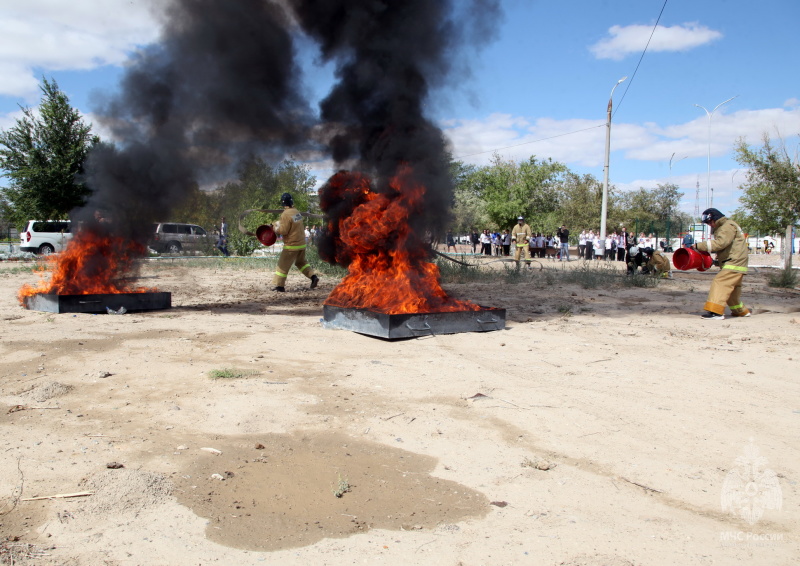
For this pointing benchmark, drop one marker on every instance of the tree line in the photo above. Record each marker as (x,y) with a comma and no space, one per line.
(43,155)
(548,194)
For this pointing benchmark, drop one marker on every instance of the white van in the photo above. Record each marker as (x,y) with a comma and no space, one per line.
(45,236)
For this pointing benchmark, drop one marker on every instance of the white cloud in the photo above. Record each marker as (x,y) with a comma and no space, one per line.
(51,35)
(691,138)
(513,137)
(724,189)
(636,147)
(582,142)
(9,120)
(625,40)
(792,103)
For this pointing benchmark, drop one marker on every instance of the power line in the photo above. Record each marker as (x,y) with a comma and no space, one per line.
(625,92)
(532,141)
(633,76)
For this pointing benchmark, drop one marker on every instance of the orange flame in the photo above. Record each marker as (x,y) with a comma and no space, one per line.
(388,269)
(92,263)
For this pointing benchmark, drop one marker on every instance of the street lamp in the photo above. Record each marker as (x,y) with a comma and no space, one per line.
(604,209)
(708,178)
(670,164)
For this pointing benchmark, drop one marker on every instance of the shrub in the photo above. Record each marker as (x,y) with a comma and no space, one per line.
(241,244)
(784,279)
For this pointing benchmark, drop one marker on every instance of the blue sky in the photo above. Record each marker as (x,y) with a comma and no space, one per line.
(548,73)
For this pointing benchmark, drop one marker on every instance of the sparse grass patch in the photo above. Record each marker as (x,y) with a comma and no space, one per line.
(590,276)
(565,310)
(265,263)
(451,272)
(783,278)
(14,268)
(230,373)
(538,464)
(640,279)
(342,487)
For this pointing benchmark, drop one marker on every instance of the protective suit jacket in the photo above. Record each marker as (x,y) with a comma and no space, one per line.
(729,244)
(658,262)
(521,234)
(291,227)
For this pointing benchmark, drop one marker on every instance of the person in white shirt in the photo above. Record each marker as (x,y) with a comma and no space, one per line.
(581,244)
(589,252)
(486,243)
(599,247)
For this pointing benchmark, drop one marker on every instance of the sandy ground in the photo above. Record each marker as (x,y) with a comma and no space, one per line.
(601,427)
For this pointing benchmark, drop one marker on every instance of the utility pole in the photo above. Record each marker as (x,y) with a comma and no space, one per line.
(604,207)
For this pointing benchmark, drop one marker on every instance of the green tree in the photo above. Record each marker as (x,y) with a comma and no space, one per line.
(581,202)
(43,157)
(259,186)
(469,207)
(654,210)
(529,189)
(770,200)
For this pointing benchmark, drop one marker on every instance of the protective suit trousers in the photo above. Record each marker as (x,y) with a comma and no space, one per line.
(285,261)
(726,289)
(522,252)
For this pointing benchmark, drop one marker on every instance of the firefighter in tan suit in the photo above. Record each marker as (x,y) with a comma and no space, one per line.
(730,246)
(291,227)
(520,234)
(659,265)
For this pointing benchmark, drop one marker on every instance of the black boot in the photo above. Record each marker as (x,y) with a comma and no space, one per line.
(279,289)
(314,281)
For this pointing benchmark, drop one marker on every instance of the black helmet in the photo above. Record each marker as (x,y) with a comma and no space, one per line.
(710,214)
(287,200)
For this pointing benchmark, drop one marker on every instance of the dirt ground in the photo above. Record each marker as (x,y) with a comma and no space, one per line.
(601,427)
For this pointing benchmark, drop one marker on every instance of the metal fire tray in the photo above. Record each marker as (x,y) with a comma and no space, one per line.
(392,326)
(98,303)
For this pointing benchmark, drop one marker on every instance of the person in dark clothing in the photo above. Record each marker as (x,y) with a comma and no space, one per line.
(629,240)
(563,236)
(451,241)
(475,239)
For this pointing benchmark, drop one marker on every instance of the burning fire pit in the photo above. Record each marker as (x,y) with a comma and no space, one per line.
(93,275)
(391,289)
(52,302)
(409,325)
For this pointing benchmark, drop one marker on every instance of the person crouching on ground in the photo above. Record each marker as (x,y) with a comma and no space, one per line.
(659,265)
(634,258)
(731,248)
(521,234)
(290,226)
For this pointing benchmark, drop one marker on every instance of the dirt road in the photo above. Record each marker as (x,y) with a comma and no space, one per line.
(601,427)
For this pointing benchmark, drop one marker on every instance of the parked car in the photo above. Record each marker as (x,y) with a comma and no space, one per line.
(174,238)
(45,236)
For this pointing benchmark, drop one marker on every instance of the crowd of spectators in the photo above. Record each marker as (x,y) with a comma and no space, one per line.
(590,246)
(491,243)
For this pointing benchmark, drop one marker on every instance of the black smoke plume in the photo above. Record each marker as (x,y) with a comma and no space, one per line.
(389,56)
(224,83)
